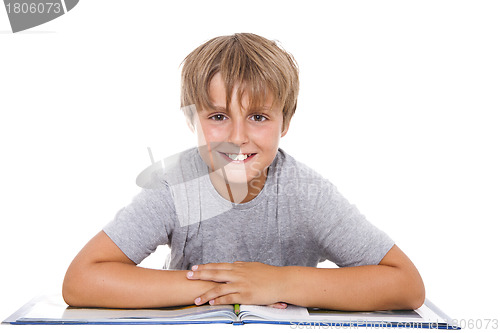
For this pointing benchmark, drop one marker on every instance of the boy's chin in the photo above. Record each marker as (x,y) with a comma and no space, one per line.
(238,186)
(235,177)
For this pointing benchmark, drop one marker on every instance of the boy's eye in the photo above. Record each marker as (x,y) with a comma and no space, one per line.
(218,117)
(258,117)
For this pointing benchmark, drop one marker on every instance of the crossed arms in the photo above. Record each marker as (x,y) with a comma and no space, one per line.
(101,275)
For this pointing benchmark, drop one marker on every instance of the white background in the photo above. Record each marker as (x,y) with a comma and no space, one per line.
(398,107)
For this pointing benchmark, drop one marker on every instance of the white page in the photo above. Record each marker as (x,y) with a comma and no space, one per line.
(295,313)
(53,308)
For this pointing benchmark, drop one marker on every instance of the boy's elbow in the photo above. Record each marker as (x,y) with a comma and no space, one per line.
(417,299)
(415,295)
(68,297)
(407,290)
(68,292)
(420,297)
(72,290)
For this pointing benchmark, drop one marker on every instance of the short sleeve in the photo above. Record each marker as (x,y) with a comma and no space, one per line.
(343,234)
(140,227)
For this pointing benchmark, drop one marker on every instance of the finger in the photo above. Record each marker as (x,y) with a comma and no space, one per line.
(216,292)
(226,299)
(224,265)
(216,275)
(279,305)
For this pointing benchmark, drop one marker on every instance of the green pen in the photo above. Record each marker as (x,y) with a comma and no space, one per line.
(237,309)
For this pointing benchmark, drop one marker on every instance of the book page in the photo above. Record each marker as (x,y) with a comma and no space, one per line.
(292,312)
(53,309)
(295,314)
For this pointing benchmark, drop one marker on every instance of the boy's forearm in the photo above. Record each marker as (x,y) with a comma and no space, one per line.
(363,288)
(119,285)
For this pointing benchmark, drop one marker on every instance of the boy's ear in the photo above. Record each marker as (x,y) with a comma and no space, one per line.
(190,124)
(285,128)
(190,114)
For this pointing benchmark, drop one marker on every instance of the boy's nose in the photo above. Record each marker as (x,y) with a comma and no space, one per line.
(239,133)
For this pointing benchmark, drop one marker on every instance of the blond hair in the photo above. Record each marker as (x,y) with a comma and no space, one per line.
(258,65)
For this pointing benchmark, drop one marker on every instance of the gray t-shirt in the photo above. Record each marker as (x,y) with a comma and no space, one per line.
(299,218)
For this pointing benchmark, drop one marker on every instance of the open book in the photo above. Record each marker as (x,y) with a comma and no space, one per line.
(53,310)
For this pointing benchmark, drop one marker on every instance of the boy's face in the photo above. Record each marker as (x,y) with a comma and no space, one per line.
(239,143)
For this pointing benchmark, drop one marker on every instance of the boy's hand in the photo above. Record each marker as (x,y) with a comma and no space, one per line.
(241,282)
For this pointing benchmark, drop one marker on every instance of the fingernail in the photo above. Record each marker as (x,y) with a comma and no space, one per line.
(211,302)
(190,274)
(195,267)
(197,301)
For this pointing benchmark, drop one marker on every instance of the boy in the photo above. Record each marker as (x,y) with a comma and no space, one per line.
(246,223)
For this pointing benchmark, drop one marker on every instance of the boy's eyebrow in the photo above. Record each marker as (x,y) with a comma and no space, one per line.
(219,108)
(256,109)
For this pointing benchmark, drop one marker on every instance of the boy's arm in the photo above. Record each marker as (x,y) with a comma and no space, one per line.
(392,284)
(101,275)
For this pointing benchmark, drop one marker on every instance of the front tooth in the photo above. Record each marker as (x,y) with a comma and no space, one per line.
(237,157)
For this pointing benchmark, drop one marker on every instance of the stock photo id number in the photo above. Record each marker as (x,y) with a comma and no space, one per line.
(24,15)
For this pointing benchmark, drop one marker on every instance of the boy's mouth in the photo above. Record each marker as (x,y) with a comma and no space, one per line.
(238,157)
